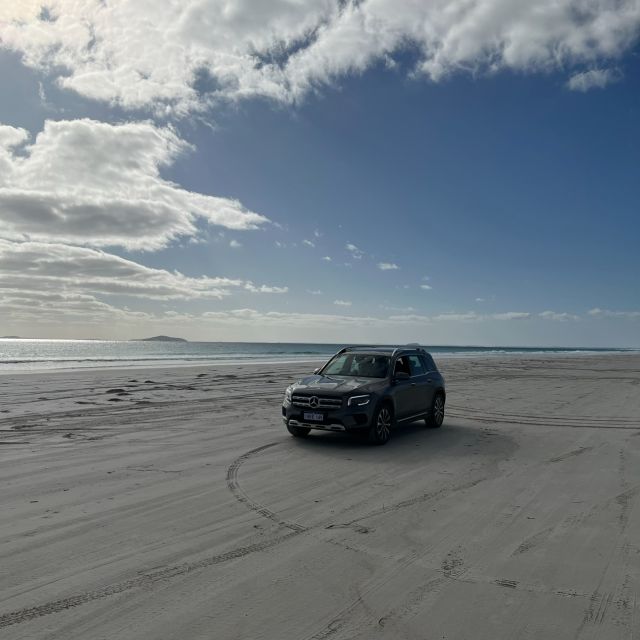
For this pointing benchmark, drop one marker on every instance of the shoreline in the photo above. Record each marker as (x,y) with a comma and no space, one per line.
(136,365)
(155,366)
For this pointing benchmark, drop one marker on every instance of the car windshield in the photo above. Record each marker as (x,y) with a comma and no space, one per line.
(361,365)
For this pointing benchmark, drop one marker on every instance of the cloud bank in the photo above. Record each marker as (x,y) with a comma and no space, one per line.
(98,184)
(195,52)
(44,267)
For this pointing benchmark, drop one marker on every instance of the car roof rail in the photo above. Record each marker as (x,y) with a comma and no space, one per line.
(359,346)
(408,347)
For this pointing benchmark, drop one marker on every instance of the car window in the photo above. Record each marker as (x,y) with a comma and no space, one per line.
(338,365)
(402,366)
(417,368)
(427,361)
(370,366)
(364,365)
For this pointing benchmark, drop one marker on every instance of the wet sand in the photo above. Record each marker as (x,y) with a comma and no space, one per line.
(173,504)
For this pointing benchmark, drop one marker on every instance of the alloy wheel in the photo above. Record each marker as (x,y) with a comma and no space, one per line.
(438,411)
(383,424)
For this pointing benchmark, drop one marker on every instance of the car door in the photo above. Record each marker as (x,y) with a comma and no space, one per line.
(403,390)
(431,380)
(421,387)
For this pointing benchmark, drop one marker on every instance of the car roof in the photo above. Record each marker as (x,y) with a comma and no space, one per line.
(384,350)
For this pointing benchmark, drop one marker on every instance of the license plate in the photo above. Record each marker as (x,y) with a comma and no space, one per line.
(316,417)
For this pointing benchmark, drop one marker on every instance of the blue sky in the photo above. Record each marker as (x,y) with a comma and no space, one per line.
(491,206)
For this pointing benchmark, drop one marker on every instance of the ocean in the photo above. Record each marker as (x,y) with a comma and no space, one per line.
(37,355)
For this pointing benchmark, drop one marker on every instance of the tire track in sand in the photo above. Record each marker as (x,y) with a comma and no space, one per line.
(146,580)
(241,496)
(149,579)
(531,419)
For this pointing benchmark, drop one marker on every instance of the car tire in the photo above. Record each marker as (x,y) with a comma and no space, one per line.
(298,432)
(436,414)
(382,424)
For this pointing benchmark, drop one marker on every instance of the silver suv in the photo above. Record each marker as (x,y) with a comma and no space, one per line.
(368,390)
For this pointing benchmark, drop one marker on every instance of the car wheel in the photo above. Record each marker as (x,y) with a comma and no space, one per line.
(298,432)
(380,430)
(436,415)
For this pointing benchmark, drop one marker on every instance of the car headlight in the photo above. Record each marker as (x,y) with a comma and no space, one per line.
(287,395)
(358,401)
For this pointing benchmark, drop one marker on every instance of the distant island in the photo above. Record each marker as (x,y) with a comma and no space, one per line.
(11,338)
(160,339)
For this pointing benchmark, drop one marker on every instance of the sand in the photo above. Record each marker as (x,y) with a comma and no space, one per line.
(172,504)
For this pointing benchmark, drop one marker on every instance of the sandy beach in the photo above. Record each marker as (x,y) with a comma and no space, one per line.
(173,504)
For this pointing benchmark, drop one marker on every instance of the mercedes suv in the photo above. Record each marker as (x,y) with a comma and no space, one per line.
(368,390)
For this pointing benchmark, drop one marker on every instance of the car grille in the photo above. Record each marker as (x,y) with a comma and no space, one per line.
(323,402)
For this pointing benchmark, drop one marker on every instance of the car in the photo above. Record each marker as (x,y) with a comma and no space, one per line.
(367,390)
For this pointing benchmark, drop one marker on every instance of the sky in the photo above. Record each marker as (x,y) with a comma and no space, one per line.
(445,172)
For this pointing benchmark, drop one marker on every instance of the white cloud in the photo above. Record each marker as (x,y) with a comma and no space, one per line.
(42,267)
(198,51)
(355,252)
(11,137)
(92,183)
(327,259)
(470,316)
(342,303)
(317,233)
(511,315)
(302,320)
(308,243)
(251,316)
(311,319)
(87,313)
(263,288)
(22,10)
(38,307)
(607,313)
(234,244)
(426,287)
(592,79)
(84,311)
(558,317)
(314,292)
(479,299)
(387,266)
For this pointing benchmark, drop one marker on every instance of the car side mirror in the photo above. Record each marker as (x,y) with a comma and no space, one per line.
(401,375)
(316,371)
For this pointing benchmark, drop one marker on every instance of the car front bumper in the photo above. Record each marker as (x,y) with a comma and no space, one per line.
(292,422)
(342,420)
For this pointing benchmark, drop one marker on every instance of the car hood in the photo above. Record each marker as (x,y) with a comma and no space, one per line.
(333,384)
